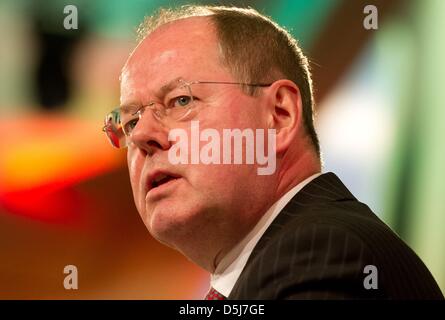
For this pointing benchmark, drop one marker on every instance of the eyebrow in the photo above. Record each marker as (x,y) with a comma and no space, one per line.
(130,108)
(169,86)
(162,91)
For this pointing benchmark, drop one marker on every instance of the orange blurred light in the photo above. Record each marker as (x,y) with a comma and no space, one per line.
(42,155)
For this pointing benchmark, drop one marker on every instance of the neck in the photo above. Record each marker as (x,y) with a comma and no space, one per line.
(294,169)
(291,173)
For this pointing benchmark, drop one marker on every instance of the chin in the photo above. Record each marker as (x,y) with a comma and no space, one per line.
(169,223)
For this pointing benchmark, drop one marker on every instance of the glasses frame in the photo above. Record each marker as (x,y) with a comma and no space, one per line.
(113,134)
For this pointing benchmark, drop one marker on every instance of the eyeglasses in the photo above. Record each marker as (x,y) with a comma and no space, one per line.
(176,104)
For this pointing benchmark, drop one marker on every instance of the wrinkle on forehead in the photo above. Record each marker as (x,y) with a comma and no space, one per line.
(168,51)
(174,35)
(141,64)
(133,71)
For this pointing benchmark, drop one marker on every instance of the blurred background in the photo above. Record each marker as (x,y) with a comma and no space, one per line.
(65,198)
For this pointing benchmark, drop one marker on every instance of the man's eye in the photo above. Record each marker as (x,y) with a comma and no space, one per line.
(181,101)
(129,126)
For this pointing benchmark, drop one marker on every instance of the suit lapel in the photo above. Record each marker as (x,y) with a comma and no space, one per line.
(325,188)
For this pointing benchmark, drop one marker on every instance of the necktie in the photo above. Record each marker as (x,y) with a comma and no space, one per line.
(214,295)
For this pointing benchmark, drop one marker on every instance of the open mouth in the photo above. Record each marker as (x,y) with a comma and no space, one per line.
(161,179)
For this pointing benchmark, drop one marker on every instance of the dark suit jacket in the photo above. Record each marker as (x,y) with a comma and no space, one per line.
(319,245)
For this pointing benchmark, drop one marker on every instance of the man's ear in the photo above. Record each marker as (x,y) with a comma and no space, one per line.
(285,113)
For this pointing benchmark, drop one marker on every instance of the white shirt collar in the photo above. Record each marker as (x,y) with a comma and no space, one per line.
(230,267)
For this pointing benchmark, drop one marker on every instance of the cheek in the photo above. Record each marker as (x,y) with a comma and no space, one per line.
(221,183)
(241,114)
(134,169)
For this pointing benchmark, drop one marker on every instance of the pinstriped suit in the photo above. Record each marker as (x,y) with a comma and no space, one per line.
(318,246)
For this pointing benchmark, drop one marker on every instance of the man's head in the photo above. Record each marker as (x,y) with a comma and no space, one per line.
(203,210)
(253,47)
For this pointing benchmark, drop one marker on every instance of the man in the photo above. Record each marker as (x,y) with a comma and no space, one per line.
(292,233)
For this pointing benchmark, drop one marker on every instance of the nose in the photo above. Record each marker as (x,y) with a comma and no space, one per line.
(149,135)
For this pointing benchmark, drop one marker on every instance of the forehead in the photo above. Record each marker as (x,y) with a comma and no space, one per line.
(185,48)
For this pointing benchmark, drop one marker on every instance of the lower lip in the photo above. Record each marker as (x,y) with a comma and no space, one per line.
(162,189)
